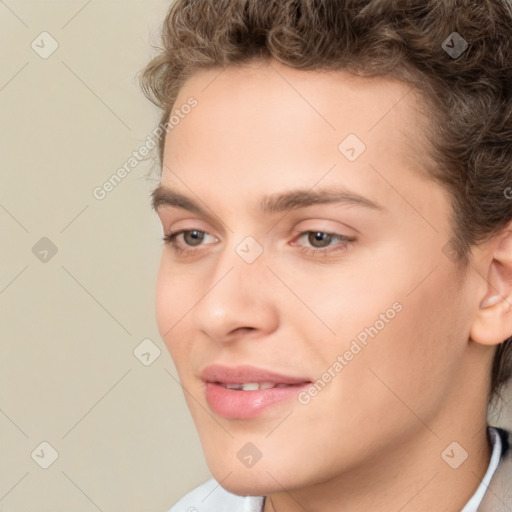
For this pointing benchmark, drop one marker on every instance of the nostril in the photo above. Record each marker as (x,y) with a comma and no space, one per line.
(242,329)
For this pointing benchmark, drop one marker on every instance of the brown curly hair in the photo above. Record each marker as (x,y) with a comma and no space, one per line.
(469,95)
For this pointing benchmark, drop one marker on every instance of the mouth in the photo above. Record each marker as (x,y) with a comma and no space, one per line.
(243,375)
(254,386)
(245,392)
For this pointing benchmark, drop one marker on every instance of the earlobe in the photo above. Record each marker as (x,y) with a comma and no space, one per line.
(493,322)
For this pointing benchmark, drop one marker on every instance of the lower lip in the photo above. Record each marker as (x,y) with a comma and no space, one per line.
(238,404)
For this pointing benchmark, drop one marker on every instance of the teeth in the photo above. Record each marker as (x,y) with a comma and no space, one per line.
(250,386)
(232,386)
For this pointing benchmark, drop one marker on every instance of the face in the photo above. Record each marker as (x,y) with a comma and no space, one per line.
(307,261)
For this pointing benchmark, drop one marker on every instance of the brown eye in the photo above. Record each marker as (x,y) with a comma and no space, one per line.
(323,243)
(186,239)
(193,237)
(319,239)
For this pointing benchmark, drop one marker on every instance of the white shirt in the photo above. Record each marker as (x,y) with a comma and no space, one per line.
(211,497)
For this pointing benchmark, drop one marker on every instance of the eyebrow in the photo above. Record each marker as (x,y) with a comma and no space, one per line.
(274,203)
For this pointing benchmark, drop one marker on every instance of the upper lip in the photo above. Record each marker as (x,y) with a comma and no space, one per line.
(244,373)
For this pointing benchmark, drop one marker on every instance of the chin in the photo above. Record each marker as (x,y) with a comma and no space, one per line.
(249,486)
(245,482)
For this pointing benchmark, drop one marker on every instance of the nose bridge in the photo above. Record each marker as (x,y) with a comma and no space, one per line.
(242,262)
(239,273)
(235,296)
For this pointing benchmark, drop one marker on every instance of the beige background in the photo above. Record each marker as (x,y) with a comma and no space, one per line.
(70,324)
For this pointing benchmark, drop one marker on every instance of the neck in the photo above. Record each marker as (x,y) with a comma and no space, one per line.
(412,477)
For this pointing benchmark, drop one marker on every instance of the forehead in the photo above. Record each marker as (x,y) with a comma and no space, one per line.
(262,122)
(267,102)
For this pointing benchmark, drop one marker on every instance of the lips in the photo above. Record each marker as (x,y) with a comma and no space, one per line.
(244,374)
(244,392)
(254,386)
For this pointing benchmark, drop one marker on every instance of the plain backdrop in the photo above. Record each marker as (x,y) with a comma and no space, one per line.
(77,273)
(70,321)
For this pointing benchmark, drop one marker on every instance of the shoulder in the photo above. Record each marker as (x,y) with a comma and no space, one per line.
(211,497)
(498,497)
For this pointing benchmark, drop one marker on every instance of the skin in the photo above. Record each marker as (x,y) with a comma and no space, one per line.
(372,438)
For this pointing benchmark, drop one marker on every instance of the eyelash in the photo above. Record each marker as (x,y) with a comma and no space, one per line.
(170,239)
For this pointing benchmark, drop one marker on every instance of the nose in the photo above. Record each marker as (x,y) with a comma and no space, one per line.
(238,301)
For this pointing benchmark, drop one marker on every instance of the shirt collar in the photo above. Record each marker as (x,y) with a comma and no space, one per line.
(497,447)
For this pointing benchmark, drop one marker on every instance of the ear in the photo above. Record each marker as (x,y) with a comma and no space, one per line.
(493,321)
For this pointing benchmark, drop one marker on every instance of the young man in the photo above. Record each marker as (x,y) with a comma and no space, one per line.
(336,283)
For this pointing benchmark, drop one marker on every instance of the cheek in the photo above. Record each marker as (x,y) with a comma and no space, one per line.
(163,301)
(340,304)
(410,331)
(417,356)
(170,302)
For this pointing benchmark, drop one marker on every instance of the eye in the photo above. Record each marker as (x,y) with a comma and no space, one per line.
(319,243)
(189,237)
(322,242)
